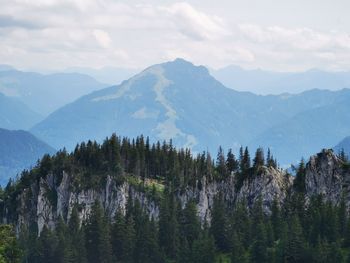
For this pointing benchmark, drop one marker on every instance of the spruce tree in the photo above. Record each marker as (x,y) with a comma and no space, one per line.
(219,223)
(259,159)
(190,224)
(259,246)
(98,236)
(231,162)
(203,250)
(294,251)
(77,238)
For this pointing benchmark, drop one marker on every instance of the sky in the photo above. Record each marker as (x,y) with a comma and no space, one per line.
(289,35)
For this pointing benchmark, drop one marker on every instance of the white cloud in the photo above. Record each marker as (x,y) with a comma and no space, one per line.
(100,33)
(102,38)
(195,24)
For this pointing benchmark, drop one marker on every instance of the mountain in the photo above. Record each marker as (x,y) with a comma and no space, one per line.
(45,93)
(322,126)
(110,75)
(269,82)
(159,102)
(19,150)
(343,145)
(177,100)
(14,114)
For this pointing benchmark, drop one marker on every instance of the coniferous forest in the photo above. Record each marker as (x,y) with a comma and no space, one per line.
(296,230)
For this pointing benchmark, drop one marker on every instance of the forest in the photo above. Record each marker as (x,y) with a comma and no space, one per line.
(297,230)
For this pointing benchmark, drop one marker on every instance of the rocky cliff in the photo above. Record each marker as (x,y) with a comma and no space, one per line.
(46,200)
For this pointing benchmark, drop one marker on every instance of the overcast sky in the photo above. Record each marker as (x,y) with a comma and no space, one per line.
(289,35)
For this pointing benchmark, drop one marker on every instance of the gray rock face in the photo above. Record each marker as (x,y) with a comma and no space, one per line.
(45,202)
(325,175)
(269,184)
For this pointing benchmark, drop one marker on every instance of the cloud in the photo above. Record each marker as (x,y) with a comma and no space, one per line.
(102,38)
(195,24)
(97,33)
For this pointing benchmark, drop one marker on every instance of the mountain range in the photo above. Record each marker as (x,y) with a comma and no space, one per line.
(45,93)
(272,82)
(19,150)
(14,114)
(179,101)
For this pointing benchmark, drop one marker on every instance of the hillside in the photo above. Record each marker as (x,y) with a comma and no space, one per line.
(14,114)
(177,100)
(19,150)
(130,194)
(45,93)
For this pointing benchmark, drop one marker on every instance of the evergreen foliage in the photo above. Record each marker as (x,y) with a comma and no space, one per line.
(295,231)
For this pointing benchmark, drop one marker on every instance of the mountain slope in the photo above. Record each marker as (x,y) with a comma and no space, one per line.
(343,145)
(19,150)
(16,115)
(183,102)
(309,130)
(172,100)
(46,93)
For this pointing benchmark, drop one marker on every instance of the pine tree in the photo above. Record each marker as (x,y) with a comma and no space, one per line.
(168,225)
(295,243)
(259,159)
(299,181)
(238,253)
(245,162)
(231,162)
(270,161)
(203,250)
(259,247)
(98,237)
(219,223)
(276,219)
(342,217)
(77,238)
(221,164)
(46,246)
(63,250)
(190,224)
(123,238)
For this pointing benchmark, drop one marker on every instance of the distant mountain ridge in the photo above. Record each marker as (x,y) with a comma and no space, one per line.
(179,101)
(19,150)
(45,93)
(14,114)
(271,82)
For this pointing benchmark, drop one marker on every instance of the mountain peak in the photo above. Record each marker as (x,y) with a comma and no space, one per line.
(182,66)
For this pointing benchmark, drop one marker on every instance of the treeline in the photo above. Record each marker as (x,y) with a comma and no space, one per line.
(91,162)
(296,231)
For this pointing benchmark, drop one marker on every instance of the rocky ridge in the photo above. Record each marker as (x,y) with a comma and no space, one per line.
(43,203)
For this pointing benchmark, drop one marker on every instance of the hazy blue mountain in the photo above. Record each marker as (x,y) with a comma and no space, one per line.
(181,101)
(269,82)
(19,150)
(4,67)
(171,100)
(45,93)
(309,130)
(110,75)
(14,114)
(343,145)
